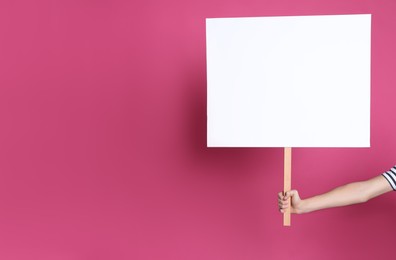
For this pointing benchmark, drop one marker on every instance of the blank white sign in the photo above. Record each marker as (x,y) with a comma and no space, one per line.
(292,81)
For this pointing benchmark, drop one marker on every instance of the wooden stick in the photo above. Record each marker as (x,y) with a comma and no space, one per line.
(287,184)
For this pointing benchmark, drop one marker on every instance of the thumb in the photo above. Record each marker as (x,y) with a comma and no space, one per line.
(292,193)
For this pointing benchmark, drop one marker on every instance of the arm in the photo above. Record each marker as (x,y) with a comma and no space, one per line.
(352,193)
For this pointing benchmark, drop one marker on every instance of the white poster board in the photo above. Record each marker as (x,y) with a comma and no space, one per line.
(292,81)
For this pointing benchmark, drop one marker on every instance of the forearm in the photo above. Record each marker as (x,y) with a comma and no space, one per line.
(344,195)
(348,194)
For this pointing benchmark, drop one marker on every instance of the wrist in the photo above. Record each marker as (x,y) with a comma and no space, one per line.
(302,207)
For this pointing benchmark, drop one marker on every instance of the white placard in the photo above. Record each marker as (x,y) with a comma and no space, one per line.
(289,81)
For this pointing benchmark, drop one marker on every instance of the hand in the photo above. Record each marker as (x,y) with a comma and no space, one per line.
(296,202)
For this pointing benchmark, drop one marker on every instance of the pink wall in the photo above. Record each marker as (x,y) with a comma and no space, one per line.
(103,140)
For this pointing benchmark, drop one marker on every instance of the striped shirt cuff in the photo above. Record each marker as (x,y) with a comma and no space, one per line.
(390,176)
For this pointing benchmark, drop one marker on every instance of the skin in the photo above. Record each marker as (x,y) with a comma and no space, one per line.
(352,193)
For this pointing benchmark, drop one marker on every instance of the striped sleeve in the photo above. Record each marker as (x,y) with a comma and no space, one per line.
(390,176)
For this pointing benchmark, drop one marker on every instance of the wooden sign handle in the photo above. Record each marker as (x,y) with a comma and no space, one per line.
(287,184)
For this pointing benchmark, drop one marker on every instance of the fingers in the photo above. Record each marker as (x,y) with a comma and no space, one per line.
(283,205)
(286,195)
(283,198)
(280,195)
(282,202)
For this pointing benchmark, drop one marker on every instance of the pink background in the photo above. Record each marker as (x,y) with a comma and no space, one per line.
(103,140)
